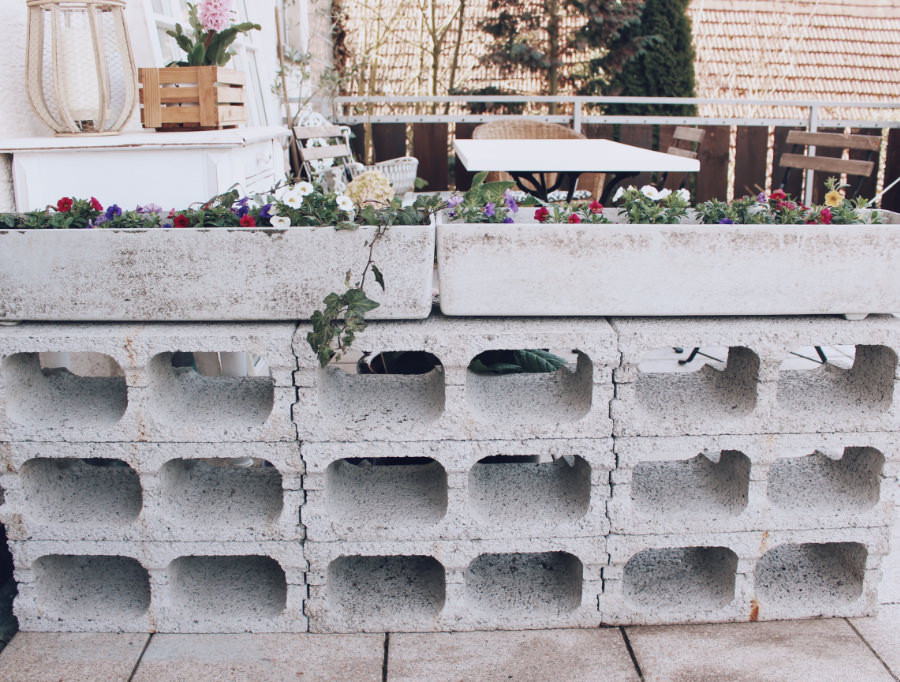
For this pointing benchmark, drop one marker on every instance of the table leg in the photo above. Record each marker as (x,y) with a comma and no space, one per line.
(539,184)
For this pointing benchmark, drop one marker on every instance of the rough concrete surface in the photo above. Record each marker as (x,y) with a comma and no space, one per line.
(589,655)
(882,633)
(815,650)
(51,657)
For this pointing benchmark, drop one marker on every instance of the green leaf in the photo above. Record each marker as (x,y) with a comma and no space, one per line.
(197,55)
(535,361)
(346,225)
(357,301)
(378,276)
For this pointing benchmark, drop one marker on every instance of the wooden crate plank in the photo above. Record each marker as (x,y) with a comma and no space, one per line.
(151,112)
(750,160)
(206,79)
(430,147)
(185,114)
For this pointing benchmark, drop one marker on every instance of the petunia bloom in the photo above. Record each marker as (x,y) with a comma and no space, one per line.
(574,218)
(280,221)
(596,207)
(778,195)
(542,214)
(96,205)
(248,221)
(650,192)
(490,209)
(64,205)
(834,199)
(825,216)
(181,221)
(112,211)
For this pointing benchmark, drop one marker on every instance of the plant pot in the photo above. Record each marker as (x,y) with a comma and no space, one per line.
(192,98)
(207,274)
(528,268)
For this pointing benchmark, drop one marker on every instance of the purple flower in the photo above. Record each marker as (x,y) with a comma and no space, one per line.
(241,211)
(726,221)
(451,214)
(489,209)
(264,211)
(508,219)
(99,220)
(510,202)
(454,201)
(112,211)
(149,208)
(761,197)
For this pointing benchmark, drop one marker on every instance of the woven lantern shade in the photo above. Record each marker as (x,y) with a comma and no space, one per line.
(79,65)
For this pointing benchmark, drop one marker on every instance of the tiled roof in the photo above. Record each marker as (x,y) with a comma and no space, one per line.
(798,49)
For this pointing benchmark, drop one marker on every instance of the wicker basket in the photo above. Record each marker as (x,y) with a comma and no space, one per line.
(192,98)
(400,171)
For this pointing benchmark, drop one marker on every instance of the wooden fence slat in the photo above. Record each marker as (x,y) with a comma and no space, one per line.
(891,200)
(792,181)
(712,180)
(462,177)
(358,141)
(430,148)
(819,178)
(868,185)
(750,154)
(638,136)
(389,140)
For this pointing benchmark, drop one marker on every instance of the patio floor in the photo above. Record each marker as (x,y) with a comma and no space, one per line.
(820,650)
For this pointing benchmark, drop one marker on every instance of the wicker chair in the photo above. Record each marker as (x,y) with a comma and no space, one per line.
(526,128)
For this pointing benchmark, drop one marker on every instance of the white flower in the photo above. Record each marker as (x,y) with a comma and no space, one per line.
(293,197)
(683,194)
(304,188)
(650,192)
(618,194)
(280,221)
(757,208)
(344,202)
(663,193)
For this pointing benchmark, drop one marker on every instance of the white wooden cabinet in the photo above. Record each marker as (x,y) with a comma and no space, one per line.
(171,169)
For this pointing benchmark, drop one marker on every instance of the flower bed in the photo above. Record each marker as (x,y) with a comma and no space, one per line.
(531,268)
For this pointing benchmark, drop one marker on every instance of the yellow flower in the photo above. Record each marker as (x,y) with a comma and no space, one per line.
(834,199)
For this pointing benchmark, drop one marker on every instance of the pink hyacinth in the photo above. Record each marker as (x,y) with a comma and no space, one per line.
(214,15)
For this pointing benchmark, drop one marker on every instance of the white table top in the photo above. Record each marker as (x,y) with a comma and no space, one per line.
(566,155)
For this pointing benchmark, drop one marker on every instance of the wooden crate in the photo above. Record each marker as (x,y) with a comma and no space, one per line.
(192,98)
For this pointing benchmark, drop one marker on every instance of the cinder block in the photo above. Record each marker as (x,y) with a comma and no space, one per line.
(153,491)
(454,490)
(148,399)
(695,484)
(453,403)
(754,393)
(159,587)
(720,577)
(434,586)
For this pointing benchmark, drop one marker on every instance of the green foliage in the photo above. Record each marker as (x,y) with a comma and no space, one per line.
(483,202)
(661,66)
(207,48)
(532,361)
(649,206)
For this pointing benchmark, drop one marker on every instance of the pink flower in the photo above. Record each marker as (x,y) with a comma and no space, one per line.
(574,218)
(248,221)
(64,205)
(181,220)
(825,216)
(542,214)
(596,207)
(778,195)
(96,205)
(214,15)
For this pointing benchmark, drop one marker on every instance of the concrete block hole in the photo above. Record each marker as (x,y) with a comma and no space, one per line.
(381,492)
(818,483)
(721,382)
(522,492)
(87,492)
(221,492)
(858,380)
(680,581)
(546,583)
(391,388)
(707,487)
(187,389)
(227,587)
(64,390)
(79,590)
(811,577)
(387,592)
(554,397)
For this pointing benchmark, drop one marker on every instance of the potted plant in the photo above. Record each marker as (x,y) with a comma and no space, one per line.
(272,257)
(658,257)
(198,93)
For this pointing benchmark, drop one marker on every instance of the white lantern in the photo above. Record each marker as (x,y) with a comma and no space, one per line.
(80,69)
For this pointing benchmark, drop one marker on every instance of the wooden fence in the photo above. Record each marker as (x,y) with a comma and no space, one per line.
(432,145)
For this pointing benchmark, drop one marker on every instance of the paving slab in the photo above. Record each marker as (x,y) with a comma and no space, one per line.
(591,655)
(814,650)
(262,657)
(71,656)
(882,633)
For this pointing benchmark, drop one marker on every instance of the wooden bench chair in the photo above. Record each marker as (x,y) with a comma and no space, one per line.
(829,164)
(685,142)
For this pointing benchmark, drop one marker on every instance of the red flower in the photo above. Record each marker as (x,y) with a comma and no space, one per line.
(574,218)
(542,214)
(778,195)
(825,216)
(248,221)
(96,204)
(596,207)
(64,205)
(181,221)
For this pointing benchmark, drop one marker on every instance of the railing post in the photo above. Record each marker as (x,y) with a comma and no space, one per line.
(813,126)
(576,116)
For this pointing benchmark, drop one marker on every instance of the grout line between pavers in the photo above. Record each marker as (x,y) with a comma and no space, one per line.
(140,658)
(634,661)
(384,662)
(871,648)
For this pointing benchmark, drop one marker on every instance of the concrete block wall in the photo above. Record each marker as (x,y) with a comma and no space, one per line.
(603,493)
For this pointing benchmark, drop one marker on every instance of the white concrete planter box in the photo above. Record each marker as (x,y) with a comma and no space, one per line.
(201,274)
(529,268)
